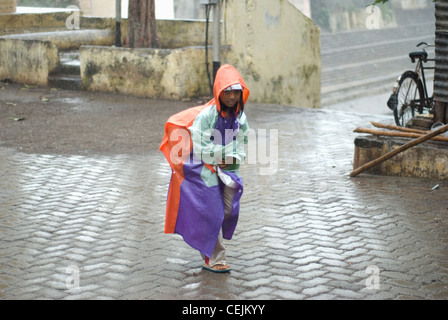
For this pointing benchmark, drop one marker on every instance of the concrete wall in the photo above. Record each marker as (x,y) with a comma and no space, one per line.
(22,23)
(427,160)
(50,21)
(154,73)
(69,40)
(178,33)
(27,61)
(277,50)
(193,9)
(172,33)
(8,6)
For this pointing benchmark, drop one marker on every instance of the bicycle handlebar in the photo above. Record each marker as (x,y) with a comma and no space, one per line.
(425,43)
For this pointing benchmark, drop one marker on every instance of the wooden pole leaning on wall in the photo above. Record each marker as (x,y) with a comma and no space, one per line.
(398,134)
(393,153)
(393,127)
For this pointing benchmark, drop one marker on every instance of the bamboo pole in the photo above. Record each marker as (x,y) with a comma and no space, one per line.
(396,134)
(393,127)
(393,153)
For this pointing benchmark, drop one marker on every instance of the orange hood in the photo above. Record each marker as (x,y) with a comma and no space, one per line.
(225,77)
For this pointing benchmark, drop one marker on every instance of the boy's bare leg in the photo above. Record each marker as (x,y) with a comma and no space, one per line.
(218,256)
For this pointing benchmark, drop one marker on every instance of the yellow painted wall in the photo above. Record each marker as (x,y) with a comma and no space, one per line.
(27,61)
(8,6)
(154,73)
(277,50)
(427,160)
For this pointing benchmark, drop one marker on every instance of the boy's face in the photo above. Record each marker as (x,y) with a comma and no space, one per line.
(230,98)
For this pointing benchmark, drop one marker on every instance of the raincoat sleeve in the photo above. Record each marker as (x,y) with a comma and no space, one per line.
(239,152)
(203,134)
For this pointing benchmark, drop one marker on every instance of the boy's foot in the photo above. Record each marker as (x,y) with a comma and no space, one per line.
(218,268)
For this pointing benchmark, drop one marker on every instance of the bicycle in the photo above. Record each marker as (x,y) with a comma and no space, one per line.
(410,93)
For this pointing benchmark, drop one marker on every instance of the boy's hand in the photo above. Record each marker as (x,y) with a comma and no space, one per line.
(228,162)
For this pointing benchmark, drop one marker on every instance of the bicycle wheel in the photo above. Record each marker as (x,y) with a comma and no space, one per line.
(410,98)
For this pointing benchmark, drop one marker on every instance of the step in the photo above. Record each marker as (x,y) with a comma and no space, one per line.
(362,63)
(372,37)
(69,75)
(69,63)
(69,68)
(65,81)
(345,91)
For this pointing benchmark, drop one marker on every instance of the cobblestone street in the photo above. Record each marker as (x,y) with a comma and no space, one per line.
(306,231)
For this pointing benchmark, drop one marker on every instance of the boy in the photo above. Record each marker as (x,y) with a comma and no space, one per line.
(205,146)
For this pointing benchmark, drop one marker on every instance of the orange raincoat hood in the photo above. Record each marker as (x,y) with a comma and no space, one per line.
(226,76)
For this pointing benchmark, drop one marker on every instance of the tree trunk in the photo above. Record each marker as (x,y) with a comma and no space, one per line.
(142,28)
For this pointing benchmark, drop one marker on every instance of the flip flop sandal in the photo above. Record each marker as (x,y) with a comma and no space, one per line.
(215,270)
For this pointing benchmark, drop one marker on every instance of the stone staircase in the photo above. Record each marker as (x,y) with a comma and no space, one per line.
(69,73)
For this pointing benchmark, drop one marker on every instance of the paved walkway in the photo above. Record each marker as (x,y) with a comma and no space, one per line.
(91,226)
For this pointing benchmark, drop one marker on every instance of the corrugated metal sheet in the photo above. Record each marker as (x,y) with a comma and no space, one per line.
(441,71)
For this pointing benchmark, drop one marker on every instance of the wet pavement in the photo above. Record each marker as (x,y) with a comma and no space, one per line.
(90,226)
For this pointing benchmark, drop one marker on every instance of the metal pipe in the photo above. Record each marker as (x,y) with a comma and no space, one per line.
(216,37)
(118,23)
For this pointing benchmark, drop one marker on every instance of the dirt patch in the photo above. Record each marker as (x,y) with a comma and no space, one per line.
(45,120)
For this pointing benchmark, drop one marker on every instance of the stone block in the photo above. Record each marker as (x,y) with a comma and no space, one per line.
(27,61)
(151,73)
(8,6)
(427,160)
(70,40)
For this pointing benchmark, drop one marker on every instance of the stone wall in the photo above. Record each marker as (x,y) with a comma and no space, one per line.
(27,61)
(172,33)
(8,6)
(427,160)
(155,73)
(69,40)
(32,22)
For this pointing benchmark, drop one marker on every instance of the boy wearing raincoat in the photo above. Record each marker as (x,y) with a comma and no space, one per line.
(204,146)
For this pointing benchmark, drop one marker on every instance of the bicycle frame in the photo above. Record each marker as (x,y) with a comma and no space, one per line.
(420,70)
(412,97)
